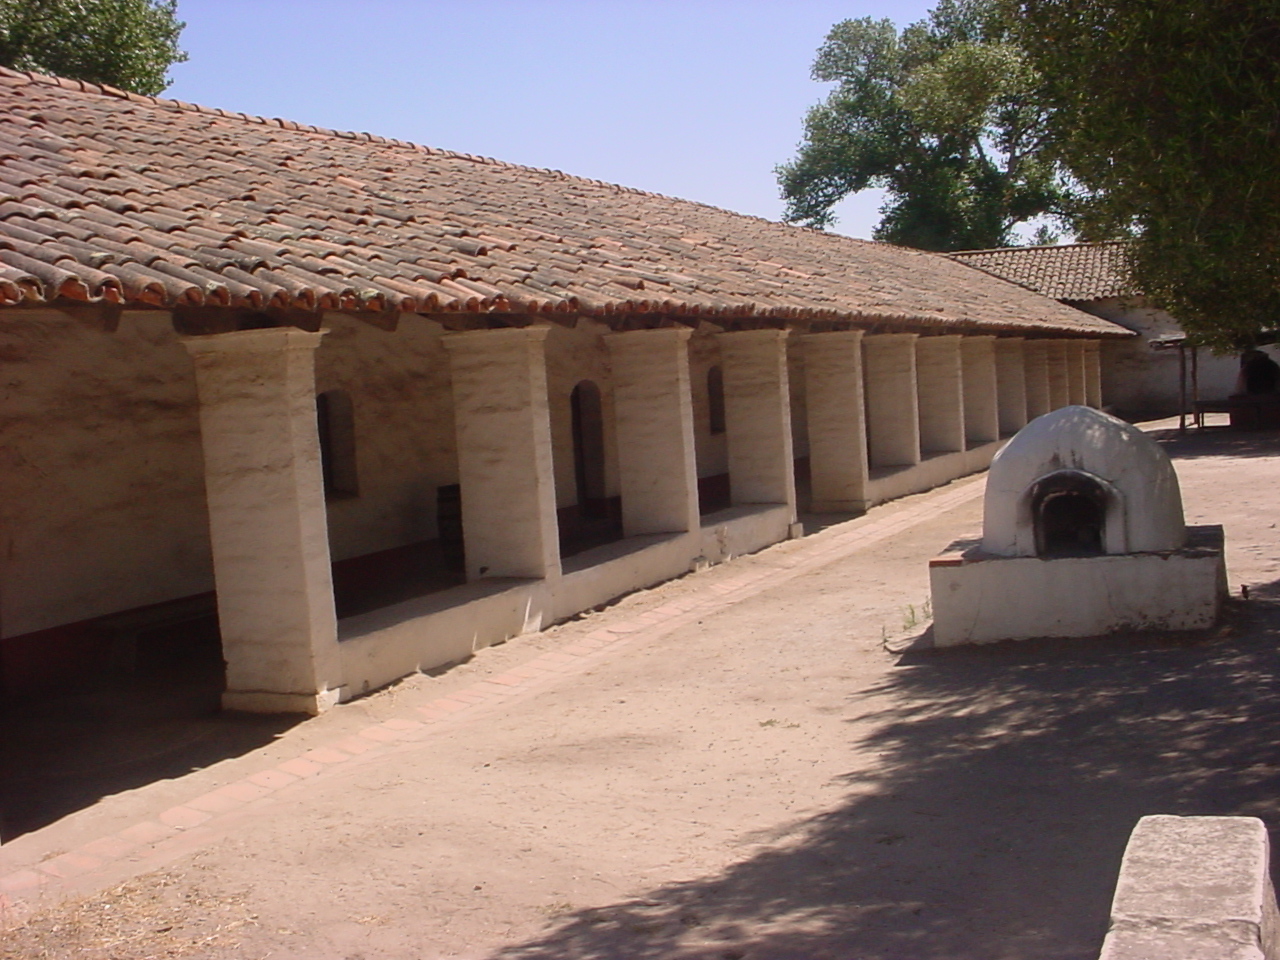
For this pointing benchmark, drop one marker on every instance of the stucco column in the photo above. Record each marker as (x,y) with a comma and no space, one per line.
(267,519)
(653,415)
(1011,384)
(837,432)
(504,452)
(757,413)
(981,412)
(889,375)
(1059,373)
(940,393)
(1077,385)
(1093,373)
(1036,353)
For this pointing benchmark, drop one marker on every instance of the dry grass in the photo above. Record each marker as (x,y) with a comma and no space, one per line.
(159,916)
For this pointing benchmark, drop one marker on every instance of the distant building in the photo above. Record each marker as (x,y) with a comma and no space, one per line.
(1139,378)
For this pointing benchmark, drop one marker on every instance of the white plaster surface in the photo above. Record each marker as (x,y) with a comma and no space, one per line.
(758,417)
(981,406)
(837,433)
(1011,384)
(1149,512)
(889,378)
(267,517)
(504,452)
(940,394)
(653,406)
(1194,888)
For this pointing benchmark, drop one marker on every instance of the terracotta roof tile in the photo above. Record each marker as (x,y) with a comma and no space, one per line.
(1074,271)
(112,196)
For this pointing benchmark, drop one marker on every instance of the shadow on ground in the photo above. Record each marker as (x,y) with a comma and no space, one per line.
(1219,442)
(1010,777)
(67,749)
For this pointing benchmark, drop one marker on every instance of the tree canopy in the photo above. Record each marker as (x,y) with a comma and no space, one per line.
(125,43)
(1168,115)
(944,115)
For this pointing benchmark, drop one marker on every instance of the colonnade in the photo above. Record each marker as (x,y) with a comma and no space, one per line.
(876,405)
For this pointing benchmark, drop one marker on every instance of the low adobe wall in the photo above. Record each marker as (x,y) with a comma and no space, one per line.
(384,645)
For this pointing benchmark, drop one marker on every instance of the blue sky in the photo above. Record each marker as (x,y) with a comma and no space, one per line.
(697,99)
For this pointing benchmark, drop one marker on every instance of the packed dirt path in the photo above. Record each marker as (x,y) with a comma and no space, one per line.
(759,761)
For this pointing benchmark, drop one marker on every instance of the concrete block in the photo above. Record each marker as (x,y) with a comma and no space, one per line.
(1194,888)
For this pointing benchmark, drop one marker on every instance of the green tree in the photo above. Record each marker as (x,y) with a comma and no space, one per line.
(125,43)
(943,115)
(1168,115)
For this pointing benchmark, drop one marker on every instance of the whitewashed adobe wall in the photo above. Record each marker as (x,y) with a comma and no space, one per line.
(102,503)
(712,449)
(398,382)
(574,355)
(1141,383)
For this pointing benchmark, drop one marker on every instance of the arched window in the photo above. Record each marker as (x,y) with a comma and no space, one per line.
(336,420)
(588,449)
(715,400)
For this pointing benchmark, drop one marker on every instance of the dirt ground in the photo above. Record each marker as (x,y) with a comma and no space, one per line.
(794,775)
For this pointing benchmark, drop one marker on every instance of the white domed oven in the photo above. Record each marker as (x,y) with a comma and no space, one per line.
(1082,534)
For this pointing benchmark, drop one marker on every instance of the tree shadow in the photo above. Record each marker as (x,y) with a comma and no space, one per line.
(991,805)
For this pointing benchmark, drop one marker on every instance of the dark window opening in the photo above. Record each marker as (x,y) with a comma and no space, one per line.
(336,422)
(715,400)
(453,553)
(1069,511)
(588,450)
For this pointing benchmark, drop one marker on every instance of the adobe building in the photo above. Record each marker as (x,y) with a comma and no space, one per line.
(381,405)
(1142,377)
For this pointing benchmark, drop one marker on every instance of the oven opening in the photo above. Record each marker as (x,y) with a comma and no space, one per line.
(1069,511)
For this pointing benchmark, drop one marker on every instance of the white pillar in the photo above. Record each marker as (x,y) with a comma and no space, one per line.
(837,431)
(1037,357)
(1011,384)
(267,519)
(1093,373)
(893,423)
(1059,373)
(653,414)
(981,409)
(1077,384)
(757,410)
(504,452)
(940,392)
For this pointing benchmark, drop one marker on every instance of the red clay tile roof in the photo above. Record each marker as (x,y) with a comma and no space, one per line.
(1073,271)
(109,196)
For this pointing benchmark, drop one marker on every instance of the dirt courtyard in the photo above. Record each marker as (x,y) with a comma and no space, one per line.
(761,761)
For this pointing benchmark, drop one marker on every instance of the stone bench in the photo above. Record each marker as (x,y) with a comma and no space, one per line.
(1194,888)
